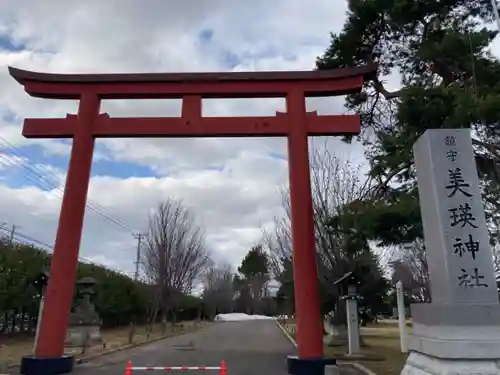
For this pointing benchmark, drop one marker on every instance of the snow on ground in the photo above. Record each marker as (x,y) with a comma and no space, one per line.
(236,317)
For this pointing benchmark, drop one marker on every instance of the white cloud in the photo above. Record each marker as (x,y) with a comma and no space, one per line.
(231,185)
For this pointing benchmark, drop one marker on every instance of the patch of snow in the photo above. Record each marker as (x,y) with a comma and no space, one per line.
(237,317)
(285,316)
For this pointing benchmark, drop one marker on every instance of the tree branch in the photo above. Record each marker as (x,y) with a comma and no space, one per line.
(379,88)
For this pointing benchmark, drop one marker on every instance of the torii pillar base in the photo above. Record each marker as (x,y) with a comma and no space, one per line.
(31,365)
(308,366)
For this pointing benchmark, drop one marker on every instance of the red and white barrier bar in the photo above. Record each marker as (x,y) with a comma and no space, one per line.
(178,368)
(130,368)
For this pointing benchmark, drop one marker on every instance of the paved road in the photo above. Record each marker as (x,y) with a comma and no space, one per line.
(249,348)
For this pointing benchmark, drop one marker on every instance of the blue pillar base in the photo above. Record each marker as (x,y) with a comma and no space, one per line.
(308,366)
(31,365)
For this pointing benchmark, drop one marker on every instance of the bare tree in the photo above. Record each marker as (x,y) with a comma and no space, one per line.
(494,231)
(411,268)
(218,291)
(174,256)
(278,242)
(336,186)
(496,260)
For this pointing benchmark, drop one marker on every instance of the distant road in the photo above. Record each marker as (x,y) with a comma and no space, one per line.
(249,348)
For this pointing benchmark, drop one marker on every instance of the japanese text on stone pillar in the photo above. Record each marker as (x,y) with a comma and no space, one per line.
(462,216)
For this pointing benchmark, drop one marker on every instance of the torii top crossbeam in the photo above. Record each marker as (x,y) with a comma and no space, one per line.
(176,85)
(192,88)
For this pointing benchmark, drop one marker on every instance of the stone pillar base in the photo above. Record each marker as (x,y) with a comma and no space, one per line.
(459,332)
(421,364)
(454,340)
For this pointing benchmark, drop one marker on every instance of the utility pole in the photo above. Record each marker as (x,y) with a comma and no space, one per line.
(12,234)
(138,237)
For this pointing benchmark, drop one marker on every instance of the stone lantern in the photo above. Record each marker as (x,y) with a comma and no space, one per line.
(349,284)
(39,283)
(84,322)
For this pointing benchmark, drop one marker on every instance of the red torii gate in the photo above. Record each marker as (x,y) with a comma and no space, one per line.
(296,124)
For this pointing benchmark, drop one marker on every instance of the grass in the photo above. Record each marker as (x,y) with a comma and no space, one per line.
(12,349)
(381,348)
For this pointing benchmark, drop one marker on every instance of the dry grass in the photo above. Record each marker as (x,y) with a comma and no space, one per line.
(381,348)
(13,349)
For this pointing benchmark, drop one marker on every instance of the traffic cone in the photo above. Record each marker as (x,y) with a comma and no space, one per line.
(128,368)
(222,368)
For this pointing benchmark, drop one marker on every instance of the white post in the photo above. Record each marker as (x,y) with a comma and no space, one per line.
(403,334)
(38,322)
(495,13)
(352,321)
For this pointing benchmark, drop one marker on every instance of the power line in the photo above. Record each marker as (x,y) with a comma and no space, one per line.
(35,176)
(16,235)
(29,240)
(49,182)
(34,172)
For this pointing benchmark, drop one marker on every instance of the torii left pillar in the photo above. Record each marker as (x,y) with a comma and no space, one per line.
(49,358)
(296,125)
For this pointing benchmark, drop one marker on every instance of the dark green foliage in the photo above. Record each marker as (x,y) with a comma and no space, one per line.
(285,292)
(251,281)
(354,228)
(19,265)
(118,298)
(373,289)
(356,257)
(255,264)
(390,221)
(449,79)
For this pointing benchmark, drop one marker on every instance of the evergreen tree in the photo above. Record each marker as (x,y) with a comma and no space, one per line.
(440,51)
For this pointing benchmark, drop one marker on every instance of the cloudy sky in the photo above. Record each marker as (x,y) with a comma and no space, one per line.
(232,185)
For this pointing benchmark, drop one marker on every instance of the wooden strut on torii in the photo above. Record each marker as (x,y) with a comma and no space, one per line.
(296,125)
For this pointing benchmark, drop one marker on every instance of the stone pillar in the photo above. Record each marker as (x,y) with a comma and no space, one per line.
(459,332)
(39,319)
(403,332)
(352,320)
